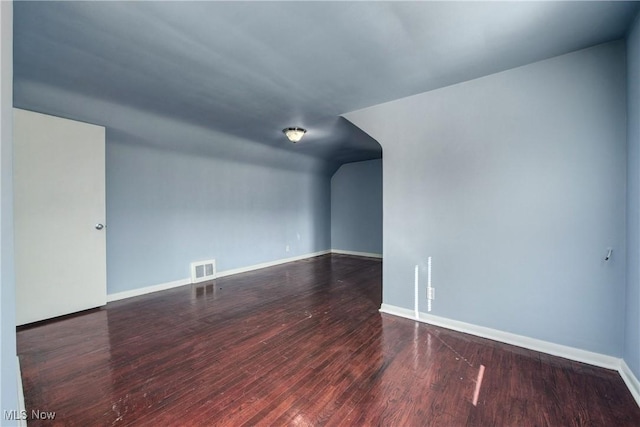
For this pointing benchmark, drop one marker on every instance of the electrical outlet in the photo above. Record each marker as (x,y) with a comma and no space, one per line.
(286,248)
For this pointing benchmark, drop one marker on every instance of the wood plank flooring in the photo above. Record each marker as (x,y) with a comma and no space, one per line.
(301,344)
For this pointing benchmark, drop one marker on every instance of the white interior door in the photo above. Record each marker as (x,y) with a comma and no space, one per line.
(59,202)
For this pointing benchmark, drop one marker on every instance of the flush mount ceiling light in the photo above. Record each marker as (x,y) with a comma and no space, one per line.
(294,134)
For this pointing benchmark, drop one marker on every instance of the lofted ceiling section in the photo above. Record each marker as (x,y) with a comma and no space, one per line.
(250,69)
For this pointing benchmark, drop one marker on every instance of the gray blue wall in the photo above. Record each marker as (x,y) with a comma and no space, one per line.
(632,321)
(515,184)
(8,372)
(167,208)
(356,207)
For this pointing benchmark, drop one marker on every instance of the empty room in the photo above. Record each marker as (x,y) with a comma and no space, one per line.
(320,213)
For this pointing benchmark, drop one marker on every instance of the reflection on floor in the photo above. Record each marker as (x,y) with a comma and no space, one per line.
(297,344)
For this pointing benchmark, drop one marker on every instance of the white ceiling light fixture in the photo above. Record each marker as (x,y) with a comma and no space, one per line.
(294,134)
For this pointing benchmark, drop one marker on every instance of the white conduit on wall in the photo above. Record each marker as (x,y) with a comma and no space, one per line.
(416,296)
(429,288)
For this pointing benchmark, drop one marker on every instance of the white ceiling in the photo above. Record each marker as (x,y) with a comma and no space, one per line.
(249,69)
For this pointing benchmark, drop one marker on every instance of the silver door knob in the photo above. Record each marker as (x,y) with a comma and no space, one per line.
(99,226)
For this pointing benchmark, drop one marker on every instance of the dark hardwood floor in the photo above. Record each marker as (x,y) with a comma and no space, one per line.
(300,344)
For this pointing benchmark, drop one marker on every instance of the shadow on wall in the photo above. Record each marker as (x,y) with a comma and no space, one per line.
(356,207)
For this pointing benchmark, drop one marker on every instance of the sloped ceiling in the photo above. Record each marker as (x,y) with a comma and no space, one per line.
(249,69)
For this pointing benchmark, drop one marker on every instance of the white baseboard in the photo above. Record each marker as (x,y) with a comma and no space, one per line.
(630,380)
(22,409)
(147,290)
(571,353)
(268,264)
(182,282)
(363,254)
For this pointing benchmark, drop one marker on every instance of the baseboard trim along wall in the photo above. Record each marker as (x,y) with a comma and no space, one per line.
(356,253)
(630,380)
(269,264)
(22,408)
(182,282)
(148,290)
(571,353)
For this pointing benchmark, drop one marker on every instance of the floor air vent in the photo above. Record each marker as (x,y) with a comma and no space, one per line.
(202,271)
